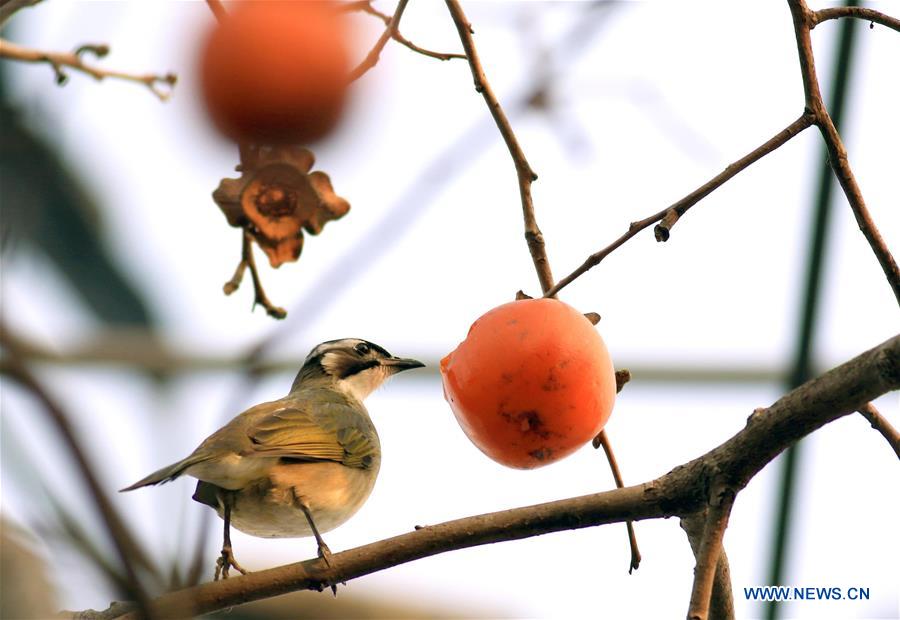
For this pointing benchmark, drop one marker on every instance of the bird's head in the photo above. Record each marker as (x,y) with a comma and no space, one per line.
(354,366)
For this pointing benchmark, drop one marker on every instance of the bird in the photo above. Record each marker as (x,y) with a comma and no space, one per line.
(298,466)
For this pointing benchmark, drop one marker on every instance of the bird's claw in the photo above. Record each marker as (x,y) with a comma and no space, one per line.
(224,564)
(325,555)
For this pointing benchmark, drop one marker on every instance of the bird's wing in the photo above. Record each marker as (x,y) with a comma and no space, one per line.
(333,432)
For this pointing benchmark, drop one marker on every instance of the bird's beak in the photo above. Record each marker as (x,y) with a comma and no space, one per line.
(399,364)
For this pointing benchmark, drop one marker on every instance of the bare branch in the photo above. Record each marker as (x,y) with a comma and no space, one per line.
(259,294)
(721,604)
(525,174)
(131,555)
(60,61)
(870,15)
(709,553)
(218,9)
(670,214)
(365,6)
(682,491)
(804,20)
(374,54)
(9,7)
(880,424)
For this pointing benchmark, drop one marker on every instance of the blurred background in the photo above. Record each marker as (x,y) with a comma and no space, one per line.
(114,256)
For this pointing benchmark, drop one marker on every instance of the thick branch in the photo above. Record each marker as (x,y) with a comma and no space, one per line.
(670,214)
(682,491)
(721,604)
(869,15)
(804,20)
(880,424)
(60,61)
(525,174)
(709,554)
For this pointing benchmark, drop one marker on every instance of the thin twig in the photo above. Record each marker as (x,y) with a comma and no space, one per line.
(603,440)
(259,294)
(365,6)
(218,9)
(525,174)
(681,491)
(869,15)
(60,61)
(235,282)
(804,20)
(130,553)
(709,553)
(880,424)
(390,31)
(680,208)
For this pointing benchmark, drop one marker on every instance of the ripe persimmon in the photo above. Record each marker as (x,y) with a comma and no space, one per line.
(276,72)
(531,383)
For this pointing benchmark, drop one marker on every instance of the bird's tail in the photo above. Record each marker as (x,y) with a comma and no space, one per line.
(166,474)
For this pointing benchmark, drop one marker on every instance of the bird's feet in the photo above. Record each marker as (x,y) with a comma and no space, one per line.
(325,554)
(225,563)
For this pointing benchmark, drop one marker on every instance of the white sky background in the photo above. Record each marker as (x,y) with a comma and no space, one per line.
(662,100)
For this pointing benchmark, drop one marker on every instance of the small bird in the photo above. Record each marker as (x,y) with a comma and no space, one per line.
(301,465)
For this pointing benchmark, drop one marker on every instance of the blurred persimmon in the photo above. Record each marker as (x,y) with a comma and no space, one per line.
(276,72)
(531,383)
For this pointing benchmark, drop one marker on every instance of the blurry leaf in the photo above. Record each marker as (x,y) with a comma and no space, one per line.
(45,205)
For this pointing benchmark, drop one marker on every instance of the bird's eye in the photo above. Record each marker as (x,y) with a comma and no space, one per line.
(362,348)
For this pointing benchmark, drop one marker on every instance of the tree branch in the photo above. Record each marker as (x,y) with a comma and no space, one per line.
(880,424)
(682,491)
(804,20)
(721,604)
(526,175)
(709,553)
(218,9)
(259,294)
(670,214)
(9,7)
(374,54)
(60,61)
(365,6)
(131,555)
(869,15)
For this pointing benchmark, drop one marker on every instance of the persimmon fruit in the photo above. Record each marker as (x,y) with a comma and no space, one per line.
(531,383)
(276,72)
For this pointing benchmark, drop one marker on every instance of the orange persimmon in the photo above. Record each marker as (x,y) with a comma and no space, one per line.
(276,72)
(531,383)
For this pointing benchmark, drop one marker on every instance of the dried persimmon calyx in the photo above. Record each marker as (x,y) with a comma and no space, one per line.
(277,197)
